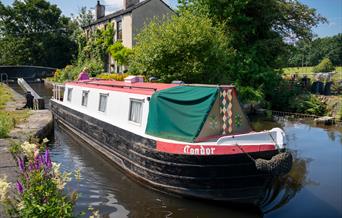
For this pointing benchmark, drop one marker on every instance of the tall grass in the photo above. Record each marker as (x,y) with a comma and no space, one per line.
(9,119)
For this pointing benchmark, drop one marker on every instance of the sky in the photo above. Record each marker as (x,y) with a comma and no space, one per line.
(331,9)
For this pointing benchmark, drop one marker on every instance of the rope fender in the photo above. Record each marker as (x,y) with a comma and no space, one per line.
(279,164)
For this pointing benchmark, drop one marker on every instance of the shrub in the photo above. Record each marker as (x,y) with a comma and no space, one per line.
(324,66)
(292,98)
(187,47)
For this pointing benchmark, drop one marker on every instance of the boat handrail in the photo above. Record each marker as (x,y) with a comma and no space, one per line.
(119,86)
(57,90)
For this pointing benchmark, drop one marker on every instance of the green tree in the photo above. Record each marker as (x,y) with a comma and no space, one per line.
(85,17)
(34,32)
(120,53)
(324,66)
(314,51)
(187,48)
(257,31)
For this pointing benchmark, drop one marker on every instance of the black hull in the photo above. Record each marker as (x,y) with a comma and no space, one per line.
(222,177)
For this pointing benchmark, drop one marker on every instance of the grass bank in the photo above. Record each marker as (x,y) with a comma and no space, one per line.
(309,72)
(9,118)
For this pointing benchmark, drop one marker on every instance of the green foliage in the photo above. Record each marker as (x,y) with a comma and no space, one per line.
(8,119)
(290,97)
(187,48)
(310,53)
(95,47)
(6,124)
(324,66)
(33,32)
(250,95)
(307,104)
(120,53)
(5,95)
(257,30)
(92,52)
(15,149)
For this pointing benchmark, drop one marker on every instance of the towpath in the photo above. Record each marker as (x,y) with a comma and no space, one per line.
(38,124)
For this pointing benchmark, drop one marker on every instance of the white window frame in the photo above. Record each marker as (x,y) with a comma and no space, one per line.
(141,101)
(69,94)
(85,104)
(105,107)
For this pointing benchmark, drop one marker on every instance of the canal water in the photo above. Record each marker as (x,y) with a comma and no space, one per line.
(313,188)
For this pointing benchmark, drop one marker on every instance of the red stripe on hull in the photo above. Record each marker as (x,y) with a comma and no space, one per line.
(210,149)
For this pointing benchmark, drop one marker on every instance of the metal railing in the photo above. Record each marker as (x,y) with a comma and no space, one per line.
(38,102)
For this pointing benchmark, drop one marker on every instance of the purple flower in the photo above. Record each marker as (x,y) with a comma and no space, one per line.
(47,159)
(31,167)
(20,187)
(21,164)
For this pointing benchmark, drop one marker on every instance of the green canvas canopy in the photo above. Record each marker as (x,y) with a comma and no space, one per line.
(180,112)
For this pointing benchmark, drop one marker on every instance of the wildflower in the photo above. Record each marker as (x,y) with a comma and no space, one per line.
(55,168)
(47,159)
(21,205)
(29,149)
(21,164)
(62,179)
(45,140)
(20,187)
(4,185)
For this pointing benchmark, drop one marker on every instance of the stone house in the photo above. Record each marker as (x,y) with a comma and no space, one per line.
(127,23)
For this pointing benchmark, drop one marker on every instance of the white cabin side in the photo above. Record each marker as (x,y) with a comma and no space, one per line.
(117,110)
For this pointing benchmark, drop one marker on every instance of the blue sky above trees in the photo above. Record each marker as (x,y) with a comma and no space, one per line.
(331,9)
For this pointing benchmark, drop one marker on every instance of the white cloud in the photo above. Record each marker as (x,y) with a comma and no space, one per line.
(112,5)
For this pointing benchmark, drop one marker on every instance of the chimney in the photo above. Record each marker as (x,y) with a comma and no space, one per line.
(129,3)
(100,10)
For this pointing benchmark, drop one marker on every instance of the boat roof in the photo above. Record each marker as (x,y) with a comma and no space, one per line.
(144,88)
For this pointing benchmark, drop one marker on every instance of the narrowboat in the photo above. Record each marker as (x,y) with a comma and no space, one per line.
(185,139)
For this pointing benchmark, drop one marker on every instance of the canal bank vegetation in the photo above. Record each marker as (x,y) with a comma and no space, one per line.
(91,54)
(9,118)
(40,186)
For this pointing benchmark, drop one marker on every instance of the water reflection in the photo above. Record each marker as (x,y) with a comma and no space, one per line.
(286,187)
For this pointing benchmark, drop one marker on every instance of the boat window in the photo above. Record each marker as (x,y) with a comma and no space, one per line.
(85,98)
(69,94)
(103,102)
(135,111)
